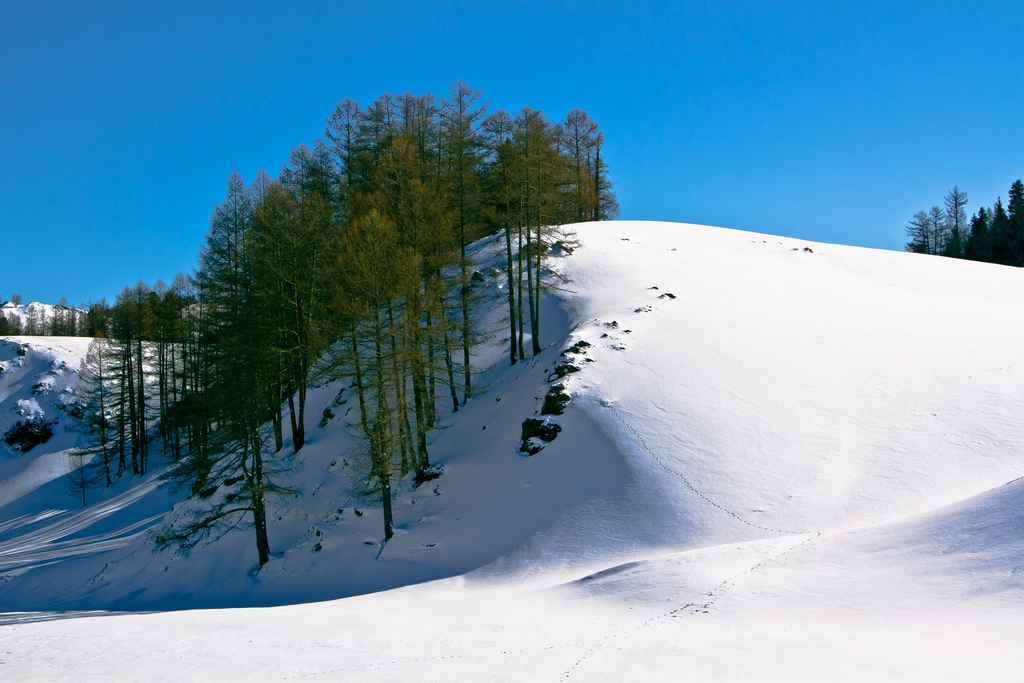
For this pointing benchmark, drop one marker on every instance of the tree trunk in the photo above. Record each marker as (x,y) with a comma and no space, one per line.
(143,455)
(299,435)
(133,421)
(529,272)
(446,338)
(430,399)
(535,308)
(418,384)
(380,442)
(519,293)
(292,416)
(510,277)
(259,508)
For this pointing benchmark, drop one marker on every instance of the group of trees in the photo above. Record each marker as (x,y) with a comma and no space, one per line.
(993,235)
(62,320)
(131,377)
(354,265)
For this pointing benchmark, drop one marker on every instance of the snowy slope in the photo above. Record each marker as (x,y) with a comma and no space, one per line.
(782,461)
(38,376)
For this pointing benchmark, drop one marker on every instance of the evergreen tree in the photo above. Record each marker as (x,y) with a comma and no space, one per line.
(956,223)
(501,181)
(93,458)
(1015,222)
(937,228)
(231,478)
(462,150)
(1002,236)
(378,270)
(979,246)
(96,319)
(920,234)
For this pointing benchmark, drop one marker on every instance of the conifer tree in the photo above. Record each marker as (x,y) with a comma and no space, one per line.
(461,149)
(1002,239)
(920,234)
(231,478)
(500,183)
(92,459)
(979,247)
(956,223)
(1015,222)
(378,270)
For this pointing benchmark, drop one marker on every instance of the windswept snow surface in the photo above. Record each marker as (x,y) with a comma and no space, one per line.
(782,461)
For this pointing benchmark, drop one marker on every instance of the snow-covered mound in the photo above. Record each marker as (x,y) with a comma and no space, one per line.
(781,461)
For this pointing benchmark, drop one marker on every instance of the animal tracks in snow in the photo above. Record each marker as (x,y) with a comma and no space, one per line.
(661,462)
(703,605)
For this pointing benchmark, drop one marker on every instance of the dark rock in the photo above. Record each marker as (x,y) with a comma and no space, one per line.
(536,431)
(555,401)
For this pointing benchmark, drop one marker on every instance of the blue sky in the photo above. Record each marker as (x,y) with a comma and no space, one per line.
(831,121)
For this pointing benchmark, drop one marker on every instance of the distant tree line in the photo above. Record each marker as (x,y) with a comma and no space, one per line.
(65,320)
(354,265)
(993,235)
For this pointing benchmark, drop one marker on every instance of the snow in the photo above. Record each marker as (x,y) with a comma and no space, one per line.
(38,378)
(781,461)
(35,312)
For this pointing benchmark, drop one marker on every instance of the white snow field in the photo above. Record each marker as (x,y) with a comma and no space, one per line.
(782,461)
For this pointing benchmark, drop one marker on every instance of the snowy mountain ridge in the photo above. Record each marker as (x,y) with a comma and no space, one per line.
(35,317)
(780,461)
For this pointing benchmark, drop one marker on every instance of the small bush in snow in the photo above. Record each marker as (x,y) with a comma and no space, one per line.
(428,474)
(27,434)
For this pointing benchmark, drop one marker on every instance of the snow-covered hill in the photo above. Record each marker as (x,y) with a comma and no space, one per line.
(36,318)
(781,461)
(37,381)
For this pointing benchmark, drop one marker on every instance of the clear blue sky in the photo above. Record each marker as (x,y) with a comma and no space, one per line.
(120,122)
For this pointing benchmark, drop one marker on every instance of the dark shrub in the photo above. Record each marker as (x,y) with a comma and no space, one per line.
(534,429)
(27,434)
(555,401)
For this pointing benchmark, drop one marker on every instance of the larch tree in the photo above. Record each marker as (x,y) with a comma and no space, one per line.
(377,270)
(937,227)
(461,115)
(501,187)
(919,232)
(92,458)
(956,223)
(231,479)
